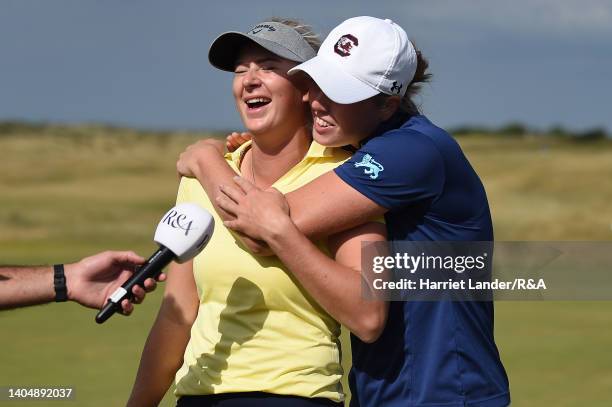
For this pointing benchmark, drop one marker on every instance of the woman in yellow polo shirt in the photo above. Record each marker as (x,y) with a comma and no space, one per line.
(236,329)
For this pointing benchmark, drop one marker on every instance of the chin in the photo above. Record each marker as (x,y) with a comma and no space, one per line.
(327,141)
(256,128)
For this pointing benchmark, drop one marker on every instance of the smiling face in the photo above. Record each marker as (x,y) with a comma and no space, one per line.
(267,99)
(336,125)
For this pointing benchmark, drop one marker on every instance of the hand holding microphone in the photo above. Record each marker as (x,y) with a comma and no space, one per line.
(181,234)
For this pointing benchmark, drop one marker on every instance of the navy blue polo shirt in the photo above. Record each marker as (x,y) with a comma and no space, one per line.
(434,354)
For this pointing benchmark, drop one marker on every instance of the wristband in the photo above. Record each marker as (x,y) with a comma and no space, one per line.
(59,283)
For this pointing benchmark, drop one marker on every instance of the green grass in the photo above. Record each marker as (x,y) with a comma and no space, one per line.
(67,192)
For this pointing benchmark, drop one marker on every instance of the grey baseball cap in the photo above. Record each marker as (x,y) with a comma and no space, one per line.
(278,38)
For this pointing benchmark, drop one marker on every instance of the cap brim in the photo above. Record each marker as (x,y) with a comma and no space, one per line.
(338,85)
(224,50)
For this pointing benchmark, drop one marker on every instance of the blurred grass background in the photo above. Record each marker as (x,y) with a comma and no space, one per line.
(70,191)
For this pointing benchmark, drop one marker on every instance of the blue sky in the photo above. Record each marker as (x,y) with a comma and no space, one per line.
(143,63)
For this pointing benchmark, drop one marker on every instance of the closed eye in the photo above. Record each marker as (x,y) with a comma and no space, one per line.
(268,67)
(266,64)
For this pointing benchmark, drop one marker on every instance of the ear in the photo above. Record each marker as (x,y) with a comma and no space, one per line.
(391,105)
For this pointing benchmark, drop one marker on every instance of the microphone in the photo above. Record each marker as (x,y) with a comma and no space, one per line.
(181,234)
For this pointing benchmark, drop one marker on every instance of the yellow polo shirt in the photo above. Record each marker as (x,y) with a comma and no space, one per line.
(257,329)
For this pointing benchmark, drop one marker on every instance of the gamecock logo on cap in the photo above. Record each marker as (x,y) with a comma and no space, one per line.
(345,44)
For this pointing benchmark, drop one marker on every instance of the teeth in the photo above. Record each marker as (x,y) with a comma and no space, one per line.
(321,122)
(257,100)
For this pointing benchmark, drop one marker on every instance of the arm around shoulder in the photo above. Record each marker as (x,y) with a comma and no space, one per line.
(204,161)
(335,284)
(329,205)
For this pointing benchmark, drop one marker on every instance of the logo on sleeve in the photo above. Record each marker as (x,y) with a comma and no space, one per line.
(370,165)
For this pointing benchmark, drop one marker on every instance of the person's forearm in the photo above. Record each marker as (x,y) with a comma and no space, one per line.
(22,286)
(161,358)
(316,219)
(337,288)
(212,172)
(316,210)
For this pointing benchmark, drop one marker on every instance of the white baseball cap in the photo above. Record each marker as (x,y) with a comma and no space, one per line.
(362,57)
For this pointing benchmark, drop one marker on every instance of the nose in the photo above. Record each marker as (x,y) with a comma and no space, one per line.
(251,78)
